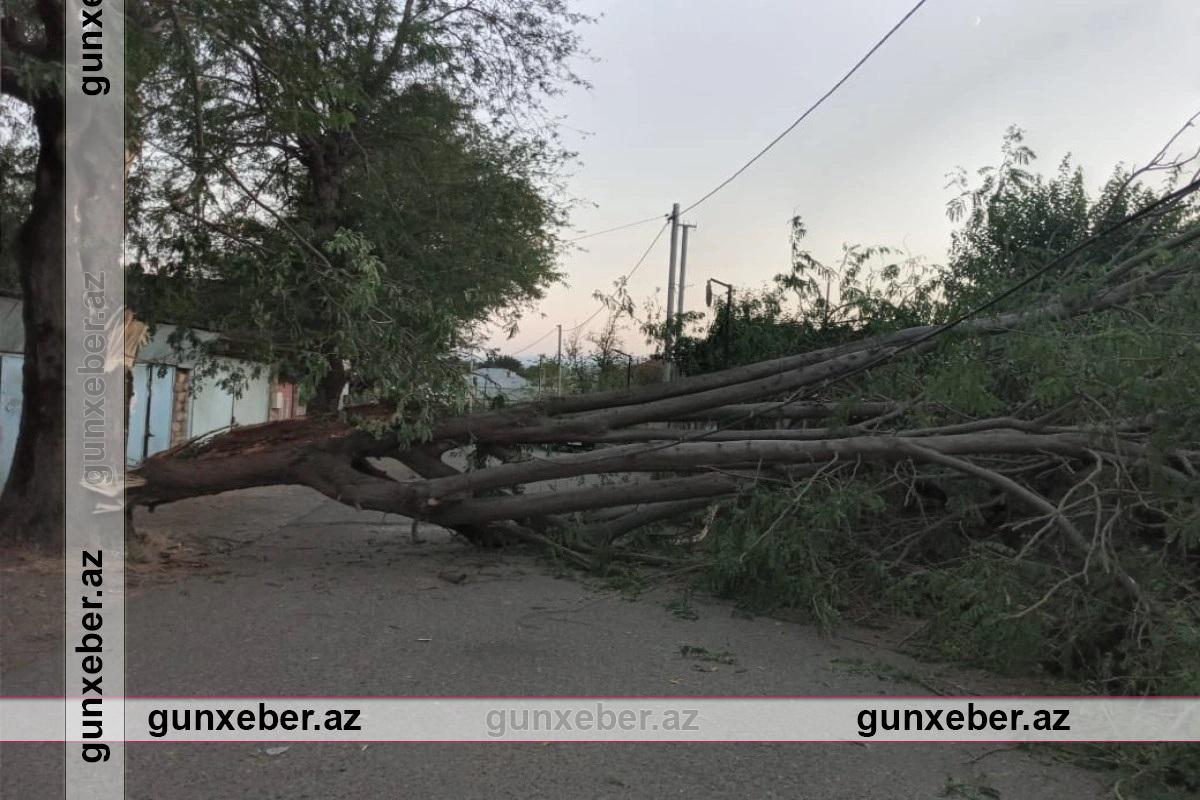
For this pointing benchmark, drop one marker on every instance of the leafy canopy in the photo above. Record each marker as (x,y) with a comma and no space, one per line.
(354,181)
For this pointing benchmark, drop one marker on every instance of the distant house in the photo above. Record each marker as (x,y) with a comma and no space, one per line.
(487,383)
(171,402)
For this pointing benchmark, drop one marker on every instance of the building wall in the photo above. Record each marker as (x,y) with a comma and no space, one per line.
(169,404)
(284,404)
(489,382)
(181,406)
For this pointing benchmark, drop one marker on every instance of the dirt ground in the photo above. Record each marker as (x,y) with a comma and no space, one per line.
(281,592)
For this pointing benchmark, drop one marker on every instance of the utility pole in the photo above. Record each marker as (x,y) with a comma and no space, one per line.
(682,268)
(560,360)
(670,293)
(474,383)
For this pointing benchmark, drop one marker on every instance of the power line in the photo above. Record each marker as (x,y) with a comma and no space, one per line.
(596,313)
(739,171)
(535,342)
(810,109)
(616,228)
(624,277)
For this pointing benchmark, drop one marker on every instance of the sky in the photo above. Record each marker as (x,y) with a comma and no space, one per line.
(686,91)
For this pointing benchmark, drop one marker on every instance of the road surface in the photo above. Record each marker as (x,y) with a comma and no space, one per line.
(302,596)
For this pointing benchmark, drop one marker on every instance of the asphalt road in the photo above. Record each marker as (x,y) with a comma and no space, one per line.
(302,596)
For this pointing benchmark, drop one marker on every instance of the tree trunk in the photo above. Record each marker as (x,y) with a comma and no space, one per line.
(31,506)
(328,394)
(326,167)
(323,159)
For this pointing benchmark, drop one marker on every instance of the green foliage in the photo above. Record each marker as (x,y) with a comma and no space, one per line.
(963,379)
(593,362)
(1158,771)
(1014,221)
(353,185)
(994,582)
(871,290)
(457,212)
(975,606)
(33,68)
(788,549)
(18,156)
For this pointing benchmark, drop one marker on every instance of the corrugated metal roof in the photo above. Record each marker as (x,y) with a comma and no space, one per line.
(494,381)
(501,377)
(156,349)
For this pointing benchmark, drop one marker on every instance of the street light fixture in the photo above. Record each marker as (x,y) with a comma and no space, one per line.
(708,301)
(708,292)
(628,366)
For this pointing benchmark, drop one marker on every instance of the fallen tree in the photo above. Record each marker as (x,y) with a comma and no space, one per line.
(1010,453)
(748,413)
(1023,475)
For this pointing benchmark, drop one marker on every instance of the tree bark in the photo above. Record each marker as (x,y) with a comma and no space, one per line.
(323,158)
(328,395)
(609,530)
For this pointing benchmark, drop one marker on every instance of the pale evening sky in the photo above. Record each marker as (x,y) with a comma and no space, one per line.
(685,91)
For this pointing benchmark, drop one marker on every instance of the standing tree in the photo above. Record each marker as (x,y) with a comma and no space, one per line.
(18,155)
(361,178)
(31,79)
(510,363)
(31,503)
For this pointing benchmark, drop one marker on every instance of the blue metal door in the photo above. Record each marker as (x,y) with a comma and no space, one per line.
(10,410)
(149,412)
(162,400)
(135,437)
(254,404)
(212,406)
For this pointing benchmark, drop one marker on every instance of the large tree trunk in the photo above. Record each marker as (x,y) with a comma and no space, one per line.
(31,506)
(328,393)
(325,162)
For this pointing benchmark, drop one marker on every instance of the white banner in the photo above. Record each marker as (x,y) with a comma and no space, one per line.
(625,719)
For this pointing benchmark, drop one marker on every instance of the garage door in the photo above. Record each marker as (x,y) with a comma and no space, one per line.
(10,410)
(150,411)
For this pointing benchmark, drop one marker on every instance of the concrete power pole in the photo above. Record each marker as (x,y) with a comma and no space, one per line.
(670,293)
(559,360)
(682,268)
